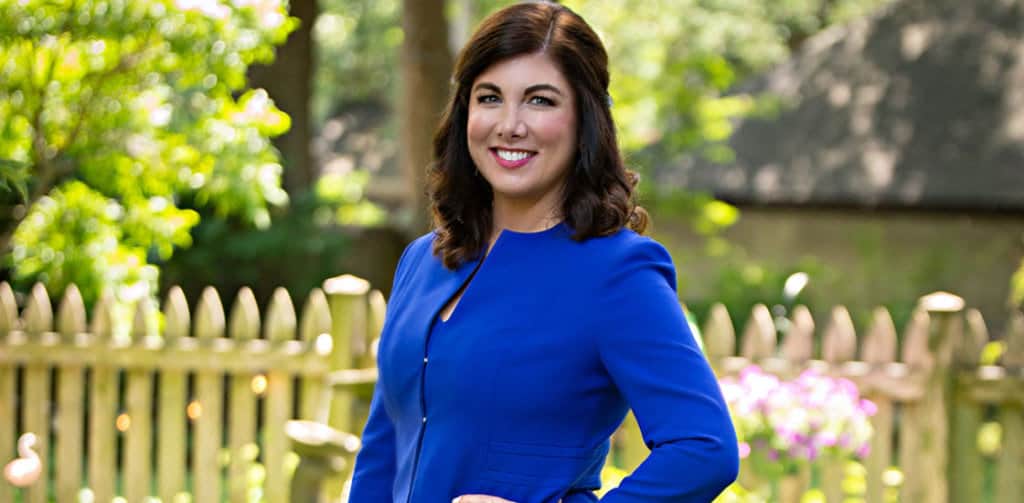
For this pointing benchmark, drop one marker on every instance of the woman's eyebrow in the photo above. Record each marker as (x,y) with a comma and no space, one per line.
(543,87)
(529,90)
(487,85)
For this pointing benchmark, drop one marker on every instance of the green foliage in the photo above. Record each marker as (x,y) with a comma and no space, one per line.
(357,44)
(112,112)
(675,63)
(78,239)
(297,251)
(741,283)
(706,215)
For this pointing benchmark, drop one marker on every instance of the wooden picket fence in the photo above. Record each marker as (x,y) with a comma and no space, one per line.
(932,394)
(184,384)
(146,415)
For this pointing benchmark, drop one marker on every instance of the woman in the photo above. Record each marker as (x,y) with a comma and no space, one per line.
(521,331)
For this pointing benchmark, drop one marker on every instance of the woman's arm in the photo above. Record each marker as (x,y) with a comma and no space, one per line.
(373,477)
(651,355)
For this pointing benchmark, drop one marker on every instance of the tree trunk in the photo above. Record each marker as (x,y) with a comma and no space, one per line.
(426,67)
(12,211)
(289,81)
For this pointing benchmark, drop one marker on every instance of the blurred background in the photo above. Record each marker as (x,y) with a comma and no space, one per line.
(869,151)
(856,153)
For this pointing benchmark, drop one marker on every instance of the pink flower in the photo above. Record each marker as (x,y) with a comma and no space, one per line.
(868,407)
(744,450)
(826,438)
(863,451)
(793,422)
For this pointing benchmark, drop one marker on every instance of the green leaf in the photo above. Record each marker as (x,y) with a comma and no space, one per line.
(134,102)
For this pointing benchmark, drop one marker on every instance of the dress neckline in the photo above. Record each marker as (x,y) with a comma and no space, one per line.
(506,237)
(561,226)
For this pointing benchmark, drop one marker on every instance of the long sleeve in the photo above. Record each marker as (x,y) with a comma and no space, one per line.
(374,474)
(652,357)
(373,477)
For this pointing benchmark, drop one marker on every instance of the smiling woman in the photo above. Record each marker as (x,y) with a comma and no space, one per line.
(525,326)
(522,135)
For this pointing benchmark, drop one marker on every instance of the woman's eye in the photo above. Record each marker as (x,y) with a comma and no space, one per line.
(487,98)
(540,100)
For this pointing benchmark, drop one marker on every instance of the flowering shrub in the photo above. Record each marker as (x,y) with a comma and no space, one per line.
(784,424)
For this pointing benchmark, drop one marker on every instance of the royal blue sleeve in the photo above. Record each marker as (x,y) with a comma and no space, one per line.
(373,476)
(651,355)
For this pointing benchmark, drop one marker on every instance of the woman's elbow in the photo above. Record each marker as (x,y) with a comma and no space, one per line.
(723,461)
(729,468)
(717,462)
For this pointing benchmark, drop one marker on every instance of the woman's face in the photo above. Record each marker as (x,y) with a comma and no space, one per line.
(522,129)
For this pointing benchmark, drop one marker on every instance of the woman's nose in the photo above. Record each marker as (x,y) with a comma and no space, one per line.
(511,124)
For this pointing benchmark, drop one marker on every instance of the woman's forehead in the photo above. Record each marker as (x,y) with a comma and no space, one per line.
(521,72)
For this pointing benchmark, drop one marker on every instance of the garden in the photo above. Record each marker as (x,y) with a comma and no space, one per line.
(202,204)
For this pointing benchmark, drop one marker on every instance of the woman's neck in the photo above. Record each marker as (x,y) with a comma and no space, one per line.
(518,217)
(525,218)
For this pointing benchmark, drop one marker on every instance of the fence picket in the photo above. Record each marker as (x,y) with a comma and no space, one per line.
(316,322)
(209,392)
(346,295)
(719,334)
(70,445)
(375,324)
(38,317)
(930,352)
(1009,479)
(878,350)
(280,328)
(839,344)
(244,326)
(798,344)
(102,460)
(759,339)
(967,467)
(376,310)
(171,439)
(137,448)
(916,355)
(8,322)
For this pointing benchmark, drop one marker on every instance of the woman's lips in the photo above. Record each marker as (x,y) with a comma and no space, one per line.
(508,164)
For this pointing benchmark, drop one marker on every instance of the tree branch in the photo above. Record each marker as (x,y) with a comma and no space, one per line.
(47,171)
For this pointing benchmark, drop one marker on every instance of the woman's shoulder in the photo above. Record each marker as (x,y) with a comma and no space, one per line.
(626,245)
(626,253)
(414,253)
(420,245)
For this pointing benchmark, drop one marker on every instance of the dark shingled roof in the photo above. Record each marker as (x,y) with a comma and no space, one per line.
(921,105)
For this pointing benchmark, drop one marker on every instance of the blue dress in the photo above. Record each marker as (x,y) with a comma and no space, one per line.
(517,393)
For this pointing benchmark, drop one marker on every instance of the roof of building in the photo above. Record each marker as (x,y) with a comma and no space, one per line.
(920,105)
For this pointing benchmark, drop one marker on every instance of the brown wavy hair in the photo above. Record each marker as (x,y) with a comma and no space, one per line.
(599,193)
